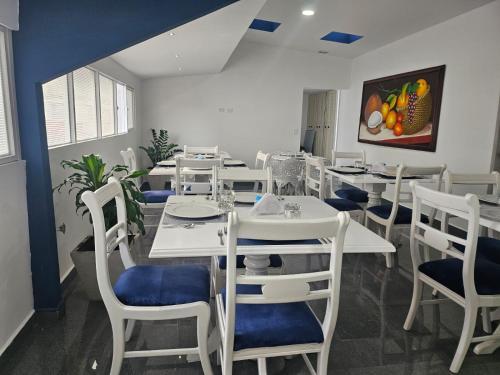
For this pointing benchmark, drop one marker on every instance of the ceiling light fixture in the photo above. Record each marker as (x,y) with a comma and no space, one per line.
(171,33)
(180,68)
(177,55)
(308,12)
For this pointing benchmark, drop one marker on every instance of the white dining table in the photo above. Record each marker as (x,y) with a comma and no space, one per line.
(373,184)
(202,240)
(168,169)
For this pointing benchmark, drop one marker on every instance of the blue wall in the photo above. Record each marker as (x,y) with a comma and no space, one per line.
(56,37)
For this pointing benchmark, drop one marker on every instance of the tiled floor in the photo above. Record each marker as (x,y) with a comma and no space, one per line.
(369,338)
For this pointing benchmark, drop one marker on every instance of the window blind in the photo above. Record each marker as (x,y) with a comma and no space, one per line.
(121,107)
(130,108)
(56,105)
(4,132)
(85,104)
(107,106)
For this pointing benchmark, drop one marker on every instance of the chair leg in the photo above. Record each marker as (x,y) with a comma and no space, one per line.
(129,330)
(322,362)
(261,366)
(389,258)
(465,338)
(118,346)
(203,322)
(485,313)
(418,286)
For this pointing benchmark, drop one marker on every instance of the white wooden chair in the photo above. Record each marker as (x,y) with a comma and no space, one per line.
(183,186)
(268,316)
(395,216)
(195,150)
(469,278)
(261,162)
(352,193)
(486,181)
(316,180)
(139,293)
(264,178)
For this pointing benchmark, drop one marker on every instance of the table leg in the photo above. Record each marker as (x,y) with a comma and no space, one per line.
(374,194)
(257,264)
(489,346)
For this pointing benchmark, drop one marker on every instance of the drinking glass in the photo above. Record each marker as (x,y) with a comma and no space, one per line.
(226,200)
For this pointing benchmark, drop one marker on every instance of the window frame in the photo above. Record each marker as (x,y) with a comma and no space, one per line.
(9,93)
(71,98)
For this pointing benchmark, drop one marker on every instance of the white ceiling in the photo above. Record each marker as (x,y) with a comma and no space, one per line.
(379,21)
(203,46)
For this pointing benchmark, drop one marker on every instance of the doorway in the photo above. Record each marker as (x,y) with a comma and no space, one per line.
(319,118)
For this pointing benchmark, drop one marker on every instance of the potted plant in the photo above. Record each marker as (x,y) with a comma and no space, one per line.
(160,149)
(89,175)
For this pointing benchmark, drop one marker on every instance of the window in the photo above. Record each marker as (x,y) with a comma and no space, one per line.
(7,136)
(56,105)
(121,107)
(86,105)
(107,106)
(130,108)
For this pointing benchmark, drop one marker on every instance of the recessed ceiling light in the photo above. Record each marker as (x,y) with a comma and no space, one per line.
(180,68)
(177,55)
(308,12)
(171,33)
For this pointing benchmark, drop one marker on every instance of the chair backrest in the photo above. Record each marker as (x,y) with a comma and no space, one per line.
(194,150)
(106,240)
(201,164)
(263,176)
(315,176)
(130,161)
(465,207)
(359,156)
(262,160)
(404,170)
(284,288)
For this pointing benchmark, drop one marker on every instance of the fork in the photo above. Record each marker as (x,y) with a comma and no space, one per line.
(221,235)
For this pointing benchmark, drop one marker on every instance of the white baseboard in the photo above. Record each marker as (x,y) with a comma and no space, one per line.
(66,274)
(16,332)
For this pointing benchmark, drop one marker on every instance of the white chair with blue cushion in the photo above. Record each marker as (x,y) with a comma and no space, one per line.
(468,277)
(264,178)
(395,216)
(269,316)
(352,193)
(185,186)
(144,292)
(481,182)
(261,162)
(316,180)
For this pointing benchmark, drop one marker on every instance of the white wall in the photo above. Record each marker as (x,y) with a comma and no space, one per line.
(9,14)
(469,45)
(16,293)
(254,103)
(109,149)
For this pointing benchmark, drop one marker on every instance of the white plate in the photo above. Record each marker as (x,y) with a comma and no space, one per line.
(245,196)
(489,198)
(167,163)
(233,162)
(192,210)
(347,169)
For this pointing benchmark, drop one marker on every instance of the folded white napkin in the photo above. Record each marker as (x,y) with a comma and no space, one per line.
(267,205)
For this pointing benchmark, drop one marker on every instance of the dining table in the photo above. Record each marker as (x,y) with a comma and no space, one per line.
(374,183)
(167,168)
(200,237)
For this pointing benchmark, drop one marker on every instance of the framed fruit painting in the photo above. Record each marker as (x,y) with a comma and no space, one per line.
(402,110)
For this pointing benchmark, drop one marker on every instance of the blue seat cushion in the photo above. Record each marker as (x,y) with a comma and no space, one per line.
(269,325)
(486,247)
(343,204)
(157,196)
(448,272)
(150,285)
(403,216)
(353,194)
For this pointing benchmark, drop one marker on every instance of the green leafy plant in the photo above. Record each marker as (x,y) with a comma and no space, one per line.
(160,148)
(90,175)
